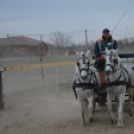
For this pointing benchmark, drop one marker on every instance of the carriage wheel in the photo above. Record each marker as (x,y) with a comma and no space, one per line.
(102,104)
(102,101)
(94,103)
(133,95)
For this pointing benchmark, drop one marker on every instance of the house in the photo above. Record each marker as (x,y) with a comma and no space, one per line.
(21,46)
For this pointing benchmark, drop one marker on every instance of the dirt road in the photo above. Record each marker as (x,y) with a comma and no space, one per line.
(47,114)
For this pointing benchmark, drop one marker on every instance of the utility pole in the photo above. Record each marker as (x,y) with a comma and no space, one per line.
(86,41)
(41,37)
(8,36)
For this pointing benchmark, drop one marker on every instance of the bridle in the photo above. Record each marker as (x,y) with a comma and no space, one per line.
(89,72)
(112,66)
(115,61)
(84,62)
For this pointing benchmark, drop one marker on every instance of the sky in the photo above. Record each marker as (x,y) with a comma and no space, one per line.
(34,17)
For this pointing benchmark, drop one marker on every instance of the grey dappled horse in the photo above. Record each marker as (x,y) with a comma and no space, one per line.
(85,74)
(117,72)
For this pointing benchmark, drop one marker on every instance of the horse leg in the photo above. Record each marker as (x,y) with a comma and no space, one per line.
(109,107)
(120,109)
(91,108)
(130,93)
(94,103)
(83,122)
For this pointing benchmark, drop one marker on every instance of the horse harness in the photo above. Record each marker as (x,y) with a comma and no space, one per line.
(120,82)
(88,85)
(85,86)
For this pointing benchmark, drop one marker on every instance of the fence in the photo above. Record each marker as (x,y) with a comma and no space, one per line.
(31,67)
(1,90)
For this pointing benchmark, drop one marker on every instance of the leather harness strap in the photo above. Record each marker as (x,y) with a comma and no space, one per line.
(129,79)
(117,82)
(88,85)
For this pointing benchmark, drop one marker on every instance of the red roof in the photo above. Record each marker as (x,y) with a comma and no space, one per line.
(20,40)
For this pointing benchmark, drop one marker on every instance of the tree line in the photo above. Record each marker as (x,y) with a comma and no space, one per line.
(63,42)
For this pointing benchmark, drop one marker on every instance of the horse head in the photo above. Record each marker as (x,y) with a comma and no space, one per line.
(112,61)
(83,63)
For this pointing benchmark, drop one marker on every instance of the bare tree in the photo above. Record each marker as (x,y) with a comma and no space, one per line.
(60,39)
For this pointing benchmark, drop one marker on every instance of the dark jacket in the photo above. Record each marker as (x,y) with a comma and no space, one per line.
(97,49)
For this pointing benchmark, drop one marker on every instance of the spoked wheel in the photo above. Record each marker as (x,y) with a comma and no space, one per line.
(94,103)
(101,99)
(102,104)
(133,95)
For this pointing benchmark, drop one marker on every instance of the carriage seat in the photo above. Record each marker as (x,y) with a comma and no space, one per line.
(102,77)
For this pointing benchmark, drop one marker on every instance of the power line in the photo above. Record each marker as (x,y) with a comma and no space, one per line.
(73,32)
(94,31)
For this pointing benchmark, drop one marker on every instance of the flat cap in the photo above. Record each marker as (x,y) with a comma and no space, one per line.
(106,30)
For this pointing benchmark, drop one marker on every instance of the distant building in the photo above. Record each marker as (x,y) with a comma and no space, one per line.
(20,46)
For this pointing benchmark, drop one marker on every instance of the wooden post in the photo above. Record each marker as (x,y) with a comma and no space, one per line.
(1,89)
(57,80)
(42,72)
(86,41)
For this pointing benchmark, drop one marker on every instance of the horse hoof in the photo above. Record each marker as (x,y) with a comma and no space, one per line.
(112,120)
(91,119)
(131,113)
(120,125)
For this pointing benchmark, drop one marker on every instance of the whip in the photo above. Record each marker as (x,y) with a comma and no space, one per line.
(121,19)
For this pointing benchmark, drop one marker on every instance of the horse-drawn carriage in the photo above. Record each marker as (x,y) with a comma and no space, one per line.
(92,86)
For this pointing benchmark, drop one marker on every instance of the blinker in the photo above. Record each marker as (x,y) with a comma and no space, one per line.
(115,61)
(84,61)
(110,58)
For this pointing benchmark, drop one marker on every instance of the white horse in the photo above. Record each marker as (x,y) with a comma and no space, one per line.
(117,72)
(85,74)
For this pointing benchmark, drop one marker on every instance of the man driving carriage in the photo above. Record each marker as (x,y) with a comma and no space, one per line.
(101,44)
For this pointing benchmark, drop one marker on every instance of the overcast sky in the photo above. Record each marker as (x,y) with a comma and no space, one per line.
(31,17)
